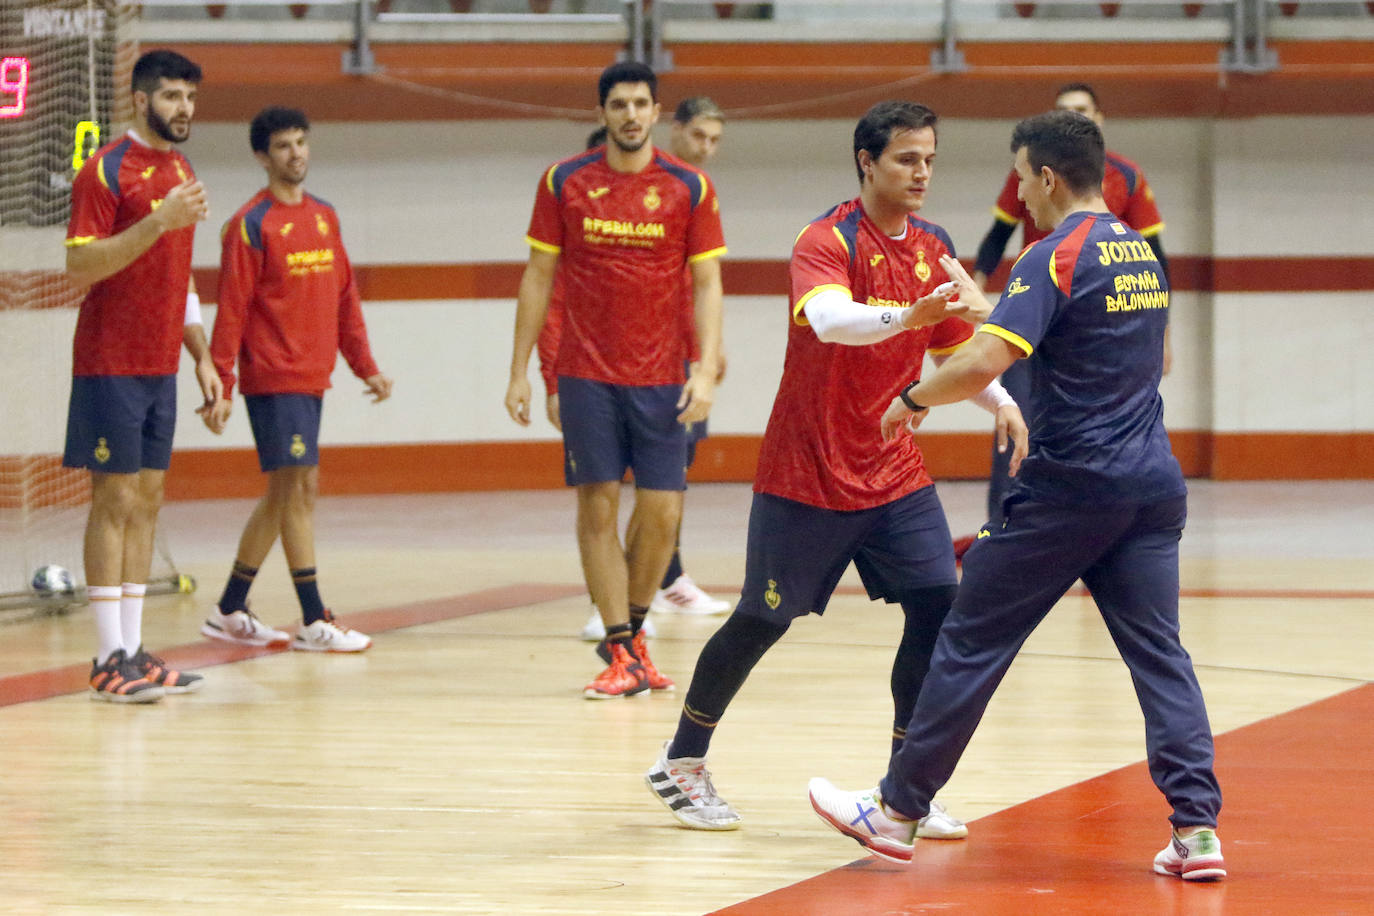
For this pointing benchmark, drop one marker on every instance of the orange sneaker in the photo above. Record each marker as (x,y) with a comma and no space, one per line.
(624,677)
(657,681)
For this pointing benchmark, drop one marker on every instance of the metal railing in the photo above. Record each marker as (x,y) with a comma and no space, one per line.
(647,26)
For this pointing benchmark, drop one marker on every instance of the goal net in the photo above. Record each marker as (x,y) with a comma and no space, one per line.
(64,71)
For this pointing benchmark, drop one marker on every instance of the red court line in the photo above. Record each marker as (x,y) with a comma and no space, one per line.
(54,682)
(1295,830)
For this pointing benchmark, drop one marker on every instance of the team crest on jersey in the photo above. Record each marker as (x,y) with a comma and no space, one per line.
(651,199)
(922,268)
(1118,229)
(180,174)
(102,451)
(321,225)
(771,597)
(1016,286)
(297,446)
(286,229)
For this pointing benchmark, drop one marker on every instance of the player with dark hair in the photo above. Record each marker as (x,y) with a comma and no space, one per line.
(626,224)
(287,306)
(1100,498)
(866,305)
(1127,194)
(135,204)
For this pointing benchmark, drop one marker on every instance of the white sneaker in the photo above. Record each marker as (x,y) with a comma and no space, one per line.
(684,786)
(939,824)
(327,635)
(1197,858)
(595,630)
(242,627)
(683,597)
(863,817)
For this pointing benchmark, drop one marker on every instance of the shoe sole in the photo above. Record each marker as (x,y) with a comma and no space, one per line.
(216,633)
(298,647)
(188,688)
(143,696)
(903,857)
(1202,873)
(598,695)
(678,816)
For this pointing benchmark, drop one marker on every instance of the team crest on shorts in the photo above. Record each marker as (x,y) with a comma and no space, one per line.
(771,597)
(922,268)
(102,451)
(297,446)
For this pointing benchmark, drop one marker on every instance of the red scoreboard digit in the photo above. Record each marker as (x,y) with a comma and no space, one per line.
(14,86)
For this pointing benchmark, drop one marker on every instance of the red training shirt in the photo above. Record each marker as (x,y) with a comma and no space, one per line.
(131,322)
(823,445)
(287,301)
(624,241)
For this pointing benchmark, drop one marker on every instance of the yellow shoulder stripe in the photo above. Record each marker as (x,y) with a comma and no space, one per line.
(1002,216)
(1148,231)
(839,235)
(542,246)
(548,177)
(713,253)
(1016,340)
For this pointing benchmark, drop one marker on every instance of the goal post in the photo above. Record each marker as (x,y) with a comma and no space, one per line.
(65,67)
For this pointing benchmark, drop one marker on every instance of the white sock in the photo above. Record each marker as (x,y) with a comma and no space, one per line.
(104,600)
(131,616)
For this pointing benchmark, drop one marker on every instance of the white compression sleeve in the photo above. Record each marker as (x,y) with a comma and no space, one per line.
(192,309)
(838,319)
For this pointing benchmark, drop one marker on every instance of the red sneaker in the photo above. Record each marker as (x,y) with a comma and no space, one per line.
(657,681)
(624,677)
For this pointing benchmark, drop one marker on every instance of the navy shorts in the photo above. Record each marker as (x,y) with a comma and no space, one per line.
(609,428)
(120,424)
(286,428)
(797,553)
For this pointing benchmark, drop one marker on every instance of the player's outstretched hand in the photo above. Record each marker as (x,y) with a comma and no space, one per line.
(378,386)
(184,205)
(972,306)
(932,308)
(897,419)
(1011,426)
(518,400)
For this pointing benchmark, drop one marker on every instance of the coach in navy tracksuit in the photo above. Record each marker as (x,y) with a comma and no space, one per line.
(1100,497)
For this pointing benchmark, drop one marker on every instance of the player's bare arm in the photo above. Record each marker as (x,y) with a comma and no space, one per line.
(89,263)
(698,394)
(531,306)
(211,388)
(964,374)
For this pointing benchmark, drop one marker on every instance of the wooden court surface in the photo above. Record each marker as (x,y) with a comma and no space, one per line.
(455,767)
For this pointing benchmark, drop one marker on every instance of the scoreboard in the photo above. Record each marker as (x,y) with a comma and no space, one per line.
(56,101)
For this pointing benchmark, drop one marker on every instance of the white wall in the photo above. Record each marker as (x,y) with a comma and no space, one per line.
(461,192)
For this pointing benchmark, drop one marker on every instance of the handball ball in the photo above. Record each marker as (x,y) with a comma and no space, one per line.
(53,580)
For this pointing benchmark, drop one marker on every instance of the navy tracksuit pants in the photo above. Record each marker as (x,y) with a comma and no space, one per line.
(1128,558)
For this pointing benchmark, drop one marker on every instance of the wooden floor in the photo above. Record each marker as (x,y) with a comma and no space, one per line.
(456,768)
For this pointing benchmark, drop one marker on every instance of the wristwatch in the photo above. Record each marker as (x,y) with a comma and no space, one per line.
(906,398)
